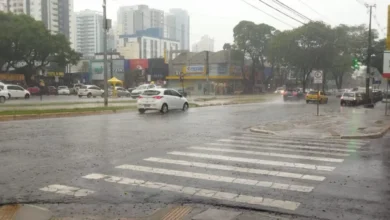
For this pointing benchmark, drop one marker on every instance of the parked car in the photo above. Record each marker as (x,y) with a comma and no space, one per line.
(121,92)
(63,90)
(180,90)
(15,91)
(386,97)
(377,96)
(130,89)
(279,90)
(351,98)
(90,91)
(315,96)
(34,90)
(162,100)
(140,89)
(75,88)
(292,95)
(52,90)
(340,92)
(3,95)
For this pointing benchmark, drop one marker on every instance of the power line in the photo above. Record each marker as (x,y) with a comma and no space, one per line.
(315,11)
(266,13)
(281,12)
(292,10)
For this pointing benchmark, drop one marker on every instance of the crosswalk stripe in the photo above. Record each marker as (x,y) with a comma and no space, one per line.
(67,190)
(193,191)
(334,160)
(292,142)
(286,145)
(254,161)
(217,178)
(341,141)
(281,149)
(237,169)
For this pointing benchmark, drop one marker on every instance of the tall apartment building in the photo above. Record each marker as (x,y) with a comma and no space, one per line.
(3,5)
(178,25)
(57,15)
(205,44)
(131,19)
(89,32)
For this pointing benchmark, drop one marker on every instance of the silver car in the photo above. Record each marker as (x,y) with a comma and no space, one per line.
(120,91)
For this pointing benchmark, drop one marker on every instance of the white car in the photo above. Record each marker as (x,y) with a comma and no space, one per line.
(15,91)
(3,95)
(63,90)
(90,91)
(140,89)
(162,100)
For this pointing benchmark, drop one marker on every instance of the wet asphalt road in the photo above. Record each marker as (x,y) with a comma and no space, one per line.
(38,153)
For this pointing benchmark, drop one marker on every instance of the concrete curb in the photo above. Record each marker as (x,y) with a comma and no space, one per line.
(57,115)
(367,136)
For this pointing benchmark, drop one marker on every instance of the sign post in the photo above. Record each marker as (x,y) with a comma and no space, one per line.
(318,79)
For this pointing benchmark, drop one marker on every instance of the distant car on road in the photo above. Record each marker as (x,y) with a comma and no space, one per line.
(63,90)
(3,95)
(162,100)
(90,91)
(52,90)
(75,88)
(34,90)
(121,92)
(279,90)
(315,96)
(351,98)
(292,95)
(140,89)
(15,91)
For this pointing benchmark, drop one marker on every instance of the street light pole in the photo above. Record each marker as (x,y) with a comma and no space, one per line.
(105,53)
(369,54)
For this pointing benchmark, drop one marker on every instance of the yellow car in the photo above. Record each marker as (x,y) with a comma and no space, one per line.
(315,96)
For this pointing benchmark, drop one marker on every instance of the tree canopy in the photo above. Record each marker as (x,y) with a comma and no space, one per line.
(27,46)
(312,46)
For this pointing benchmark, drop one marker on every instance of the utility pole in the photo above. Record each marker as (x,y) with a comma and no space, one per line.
(207,72)
(105,28)
(369,53)
(111,65)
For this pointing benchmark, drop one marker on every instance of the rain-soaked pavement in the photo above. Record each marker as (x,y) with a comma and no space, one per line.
(129,164)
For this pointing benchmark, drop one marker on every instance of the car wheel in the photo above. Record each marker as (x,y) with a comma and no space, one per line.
(80,96)
(141,111)
(185,107)
(164,108)
(27,96)
(9,96)
(2,99)
(89,95)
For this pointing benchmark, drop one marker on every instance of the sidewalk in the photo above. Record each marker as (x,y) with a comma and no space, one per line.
(349,123)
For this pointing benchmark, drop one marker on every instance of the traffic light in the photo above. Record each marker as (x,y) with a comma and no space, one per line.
(355,64)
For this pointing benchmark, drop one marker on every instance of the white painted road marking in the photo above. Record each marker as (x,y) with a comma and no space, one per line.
(67,190)
(285,145)
(255,161)
(329,140)
(334,160)
(281,149)
(237,169)
(293,142)
(217,178)
(231,197)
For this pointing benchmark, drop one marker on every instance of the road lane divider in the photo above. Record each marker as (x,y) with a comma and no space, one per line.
(199,192)
(295,150)
(237,169)
(67,190)
(254,161)
(216,178)
(292,156)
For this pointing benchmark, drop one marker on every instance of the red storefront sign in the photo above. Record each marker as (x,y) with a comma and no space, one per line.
(140,64)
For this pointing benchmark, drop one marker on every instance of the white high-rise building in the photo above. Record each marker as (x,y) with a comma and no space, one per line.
(89,32)
(205,44)
(178,25)
(137,18)
(3,5)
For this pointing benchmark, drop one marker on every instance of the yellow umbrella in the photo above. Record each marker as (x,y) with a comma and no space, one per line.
(115,81)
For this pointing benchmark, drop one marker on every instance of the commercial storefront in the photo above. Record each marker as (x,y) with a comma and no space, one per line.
(116,70)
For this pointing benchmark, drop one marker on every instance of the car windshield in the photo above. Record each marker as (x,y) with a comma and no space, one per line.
(313,92)
(83,87)
(151,92)
(349,94)
(142,87)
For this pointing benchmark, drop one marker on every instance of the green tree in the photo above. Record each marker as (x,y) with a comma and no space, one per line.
(227,46)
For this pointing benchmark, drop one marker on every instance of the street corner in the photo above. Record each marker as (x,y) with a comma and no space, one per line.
(24,212)
(368,133)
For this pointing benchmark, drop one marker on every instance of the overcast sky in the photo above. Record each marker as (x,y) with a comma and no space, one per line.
(217,18)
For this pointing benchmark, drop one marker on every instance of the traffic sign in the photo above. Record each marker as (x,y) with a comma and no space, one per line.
(386,64)
(318,77)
